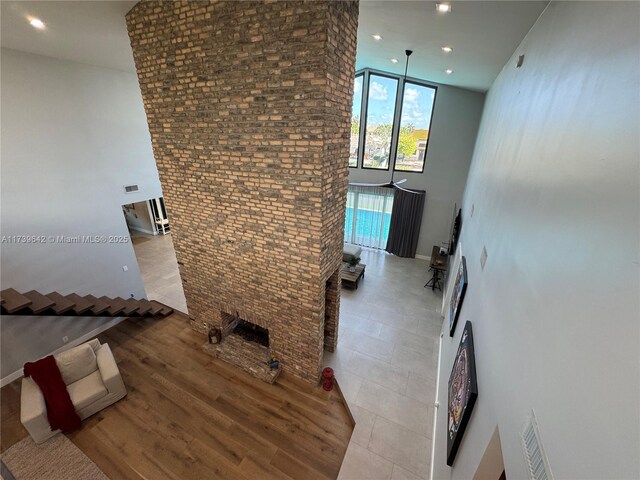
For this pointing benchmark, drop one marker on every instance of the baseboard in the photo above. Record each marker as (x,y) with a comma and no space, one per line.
(344,401)
(424,257)
(436,405)
(74,343)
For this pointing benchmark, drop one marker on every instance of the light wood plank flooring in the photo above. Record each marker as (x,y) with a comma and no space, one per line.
(190,416)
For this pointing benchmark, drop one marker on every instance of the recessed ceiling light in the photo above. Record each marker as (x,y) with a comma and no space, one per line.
(37,23)
(377,36)
(446,49)
(443,7)
(394,60)
(449,71)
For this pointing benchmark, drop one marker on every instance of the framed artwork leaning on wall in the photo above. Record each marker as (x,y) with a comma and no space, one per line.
(457,295)
(462,392)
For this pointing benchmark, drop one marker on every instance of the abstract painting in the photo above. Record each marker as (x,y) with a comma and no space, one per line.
(457,295)
(463,391)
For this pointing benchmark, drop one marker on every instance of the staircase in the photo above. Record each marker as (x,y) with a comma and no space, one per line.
(35,303)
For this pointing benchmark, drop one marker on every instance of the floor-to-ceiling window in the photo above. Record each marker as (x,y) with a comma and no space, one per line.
(368,216)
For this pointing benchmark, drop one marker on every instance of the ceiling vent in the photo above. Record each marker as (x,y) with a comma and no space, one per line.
(131,188)
(537,461)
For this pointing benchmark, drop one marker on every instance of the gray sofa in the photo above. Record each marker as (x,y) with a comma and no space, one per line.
(350,250)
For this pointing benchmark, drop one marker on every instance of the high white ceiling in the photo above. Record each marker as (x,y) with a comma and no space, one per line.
(483,35)
(88,32)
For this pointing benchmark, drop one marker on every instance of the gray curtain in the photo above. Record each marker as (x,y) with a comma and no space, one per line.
(406,218)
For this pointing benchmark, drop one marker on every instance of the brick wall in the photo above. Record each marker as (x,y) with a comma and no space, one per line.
(249,106)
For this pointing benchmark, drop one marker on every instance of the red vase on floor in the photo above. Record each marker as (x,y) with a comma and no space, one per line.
(327,379)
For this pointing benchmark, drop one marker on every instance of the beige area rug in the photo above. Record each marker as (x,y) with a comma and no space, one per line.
(56,459)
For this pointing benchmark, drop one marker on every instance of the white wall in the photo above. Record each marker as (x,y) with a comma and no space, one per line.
(138,217)
(456,117)
(72,136)
(555,181)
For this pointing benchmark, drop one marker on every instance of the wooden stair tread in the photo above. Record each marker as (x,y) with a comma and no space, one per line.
(116,305)
(131,306)
(161,310)
(156,308)
(13,301)
(35,303)
(62,305)
(99,306)
(82,304)
(39,302)
(144,307)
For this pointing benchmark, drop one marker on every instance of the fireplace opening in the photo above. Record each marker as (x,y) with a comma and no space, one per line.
(246,345)
(252,332)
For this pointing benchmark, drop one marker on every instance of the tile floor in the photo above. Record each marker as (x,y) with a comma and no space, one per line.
(385,362)
(159,269)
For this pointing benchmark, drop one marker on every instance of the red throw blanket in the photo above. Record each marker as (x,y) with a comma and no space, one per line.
(60,411)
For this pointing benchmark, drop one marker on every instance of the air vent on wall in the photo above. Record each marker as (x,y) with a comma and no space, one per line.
(131,188)
(537,462)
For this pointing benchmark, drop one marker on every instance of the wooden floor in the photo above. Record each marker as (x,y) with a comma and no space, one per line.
(190,416)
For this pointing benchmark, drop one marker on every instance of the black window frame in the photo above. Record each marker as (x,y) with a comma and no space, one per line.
(397,117)
(359,74)
(369,72)
(418,83)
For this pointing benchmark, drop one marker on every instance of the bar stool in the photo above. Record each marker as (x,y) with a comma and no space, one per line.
(434,281)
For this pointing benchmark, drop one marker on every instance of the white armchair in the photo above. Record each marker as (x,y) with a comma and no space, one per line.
(93,381)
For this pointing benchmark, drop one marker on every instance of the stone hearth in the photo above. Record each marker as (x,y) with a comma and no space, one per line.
(249,109)
(245,345)
(249,356)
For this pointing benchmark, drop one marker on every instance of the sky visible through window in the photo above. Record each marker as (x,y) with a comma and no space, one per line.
(381,90)
(416,108)
(417,105)
(357,95)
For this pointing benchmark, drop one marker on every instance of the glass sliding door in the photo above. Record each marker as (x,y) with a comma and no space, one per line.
(368,216)
(381,104)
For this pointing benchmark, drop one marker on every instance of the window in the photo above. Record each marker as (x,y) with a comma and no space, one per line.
(387,130)
(415,122)
(355,121)
(381,103)
(368,216)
